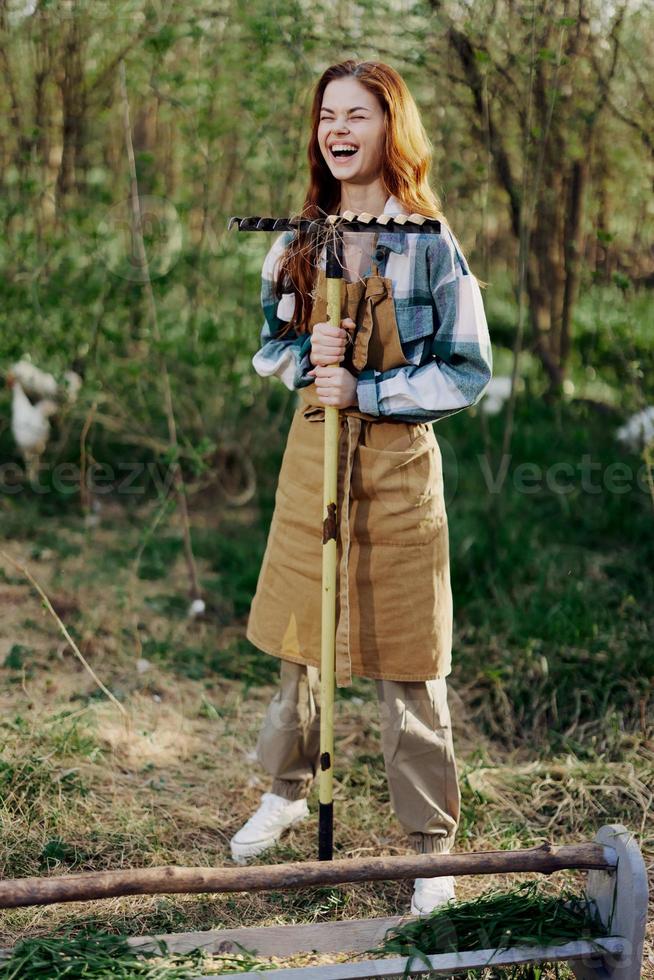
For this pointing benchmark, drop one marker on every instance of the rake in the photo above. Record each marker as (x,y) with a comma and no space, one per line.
(330,229)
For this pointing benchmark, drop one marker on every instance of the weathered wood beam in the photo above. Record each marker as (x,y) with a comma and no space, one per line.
(547,858)
(586,951)
(344,936)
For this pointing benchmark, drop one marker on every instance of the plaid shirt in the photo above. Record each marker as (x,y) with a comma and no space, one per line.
(441,323)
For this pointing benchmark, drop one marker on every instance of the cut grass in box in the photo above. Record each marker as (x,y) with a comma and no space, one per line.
(95,956)
(523,916)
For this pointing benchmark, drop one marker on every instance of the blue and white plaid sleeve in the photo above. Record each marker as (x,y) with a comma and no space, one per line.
(460,366)
(286,357)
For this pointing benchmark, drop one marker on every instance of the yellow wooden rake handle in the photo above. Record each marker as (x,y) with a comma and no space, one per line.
(328,620)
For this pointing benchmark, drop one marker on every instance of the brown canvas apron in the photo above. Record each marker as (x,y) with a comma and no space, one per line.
(394,602)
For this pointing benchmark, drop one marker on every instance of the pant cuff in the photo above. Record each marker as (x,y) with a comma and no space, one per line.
(431,843)
(290,789)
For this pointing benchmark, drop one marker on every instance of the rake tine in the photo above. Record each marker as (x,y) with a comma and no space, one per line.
(248,224)
(349,221)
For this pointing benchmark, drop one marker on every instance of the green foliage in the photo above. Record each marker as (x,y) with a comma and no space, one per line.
(237,660)
(56,852)
(497,919)
(232,95)
(158,555)
(612,341)
(552,574)
(15,659)
(234,552)
(91,955)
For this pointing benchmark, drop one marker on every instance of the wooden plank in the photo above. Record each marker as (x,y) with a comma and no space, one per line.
(621,897)
(353,936)
(442,963)
(547,858)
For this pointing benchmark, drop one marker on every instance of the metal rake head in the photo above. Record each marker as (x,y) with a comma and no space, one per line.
(348,221)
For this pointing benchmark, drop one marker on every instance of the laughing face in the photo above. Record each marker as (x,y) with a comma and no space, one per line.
(351,131)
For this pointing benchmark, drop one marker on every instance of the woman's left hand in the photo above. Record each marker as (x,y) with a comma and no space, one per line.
(335,386)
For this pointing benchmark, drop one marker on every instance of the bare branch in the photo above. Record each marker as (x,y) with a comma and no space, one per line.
(466,53)
(605,80)
(643,131)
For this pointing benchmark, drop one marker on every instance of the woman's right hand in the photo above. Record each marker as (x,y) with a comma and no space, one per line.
(328,343)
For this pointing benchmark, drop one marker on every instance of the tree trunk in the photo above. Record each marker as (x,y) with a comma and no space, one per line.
(145,145)
(22,149)
(73,97)
(47,120)
(573,251)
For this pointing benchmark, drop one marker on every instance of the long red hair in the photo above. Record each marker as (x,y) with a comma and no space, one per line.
(405,171)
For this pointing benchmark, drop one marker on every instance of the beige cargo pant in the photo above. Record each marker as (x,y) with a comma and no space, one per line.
(416,742)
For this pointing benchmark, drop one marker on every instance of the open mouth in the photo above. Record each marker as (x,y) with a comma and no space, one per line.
(343,151)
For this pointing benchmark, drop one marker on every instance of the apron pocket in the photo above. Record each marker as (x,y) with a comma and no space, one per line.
(398,496)
(302,462)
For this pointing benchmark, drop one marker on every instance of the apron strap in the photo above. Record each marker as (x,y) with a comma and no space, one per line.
(373,263)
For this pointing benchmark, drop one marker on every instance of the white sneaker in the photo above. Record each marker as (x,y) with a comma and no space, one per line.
(429,893)
(266,826)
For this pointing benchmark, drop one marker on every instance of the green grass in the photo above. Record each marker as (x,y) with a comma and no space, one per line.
(238,660)
(234,553)
(497,919)
(17,657)
(24,783)
(90,955)
(553,592)
(552,664)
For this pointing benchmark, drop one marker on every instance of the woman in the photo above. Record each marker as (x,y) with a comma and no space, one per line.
(412,347)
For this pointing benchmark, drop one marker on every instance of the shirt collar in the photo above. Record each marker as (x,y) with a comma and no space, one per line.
(395,241)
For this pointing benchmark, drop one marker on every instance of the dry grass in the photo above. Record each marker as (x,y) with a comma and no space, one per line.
(82,789)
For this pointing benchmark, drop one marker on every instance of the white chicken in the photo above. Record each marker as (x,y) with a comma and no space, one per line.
(638,430)
(30,424)
(496,393)
(34,382)
(41,384)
